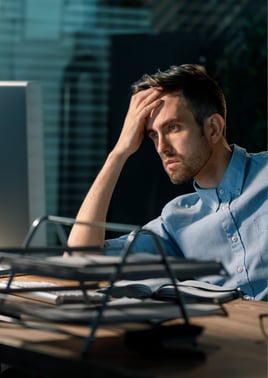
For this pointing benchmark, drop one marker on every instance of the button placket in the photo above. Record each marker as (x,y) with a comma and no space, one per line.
(240,269)
(234,238)
(232,235)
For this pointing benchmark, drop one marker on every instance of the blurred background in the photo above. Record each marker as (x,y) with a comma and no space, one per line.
(86,54)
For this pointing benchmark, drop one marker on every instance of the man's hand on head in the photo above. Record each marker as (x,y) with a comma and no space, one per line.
(141,105)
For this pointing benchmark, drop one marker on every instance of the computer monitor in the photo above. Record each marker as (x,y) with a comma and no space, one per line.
(22,183)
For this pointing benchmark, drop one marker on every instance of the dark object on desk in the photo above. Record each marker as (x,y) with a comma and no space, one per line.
(178,340)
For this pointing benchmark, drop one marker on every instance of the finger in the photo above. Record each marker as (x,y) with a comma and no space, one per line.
(147,95)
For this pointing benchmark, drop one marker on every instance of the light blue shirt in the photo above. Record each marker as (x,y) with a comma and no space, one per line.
(228,223)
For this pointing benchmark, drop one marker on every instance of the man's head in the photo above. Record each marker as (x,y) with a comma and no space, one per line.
(188,126)
(203,95)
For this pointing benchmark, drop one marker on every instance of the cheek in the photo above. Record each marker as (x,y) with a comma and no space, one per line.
(193,148)
(181,142)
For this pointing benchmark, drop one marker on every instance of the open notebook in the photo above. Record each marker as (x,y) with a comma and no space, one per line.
(159,289)
(163,289)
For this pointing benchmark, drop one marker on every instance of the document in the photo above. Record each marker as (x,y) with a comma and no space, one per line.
(4,269)
(123,310)
(48,292)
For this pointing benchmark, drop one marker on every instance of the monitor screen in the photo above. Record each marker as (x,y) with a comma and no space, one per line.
(22,189)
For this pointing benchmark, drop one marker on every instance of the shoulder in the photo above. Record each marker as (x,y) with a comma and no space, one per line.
(252,160)
(258,163)
(259,157)
(241,153)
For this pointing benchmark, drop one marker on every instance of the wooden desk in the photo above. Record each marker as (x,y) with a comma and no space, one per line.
(234,346)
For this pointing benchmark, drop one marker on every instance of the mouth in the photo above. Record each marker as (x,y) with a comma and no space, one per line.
(171,164)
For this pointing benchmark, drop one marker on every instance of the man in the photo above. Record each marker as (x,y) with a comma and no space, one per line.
(183,111)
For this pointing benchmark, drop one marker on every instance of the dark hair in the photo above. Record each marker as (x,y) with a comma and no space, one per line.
(202,93)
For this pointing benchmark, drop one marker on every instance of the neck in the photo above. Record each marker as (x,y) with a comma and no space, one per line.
(212,173)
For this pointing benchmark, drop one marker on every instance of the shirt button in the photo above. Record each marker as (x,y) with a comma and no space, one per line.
(221,191)
(240,269)
(234,238)
(224,207)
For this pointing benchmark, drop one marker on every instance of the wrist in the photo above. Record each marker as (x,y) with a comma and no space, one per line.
(119,155)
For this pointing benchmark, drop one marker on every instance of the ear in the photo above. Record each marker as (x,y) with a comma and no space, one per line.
(215,127)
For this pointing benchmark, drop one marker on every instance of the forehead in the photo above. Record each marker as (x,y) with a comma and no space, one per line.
(173,106)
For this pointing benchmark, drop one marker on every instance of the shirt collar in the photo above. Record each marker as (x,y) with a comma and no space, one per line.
(231,184)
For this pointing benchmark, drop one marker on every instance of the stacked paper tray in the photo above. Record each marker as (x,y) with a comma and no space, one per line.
(100,267)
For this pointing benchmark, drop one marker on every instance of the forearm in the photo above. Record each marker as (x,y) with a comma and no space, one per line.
(96,203)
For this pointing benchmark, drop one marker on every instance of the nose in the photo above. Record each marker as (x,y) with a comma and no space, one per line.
(163,145)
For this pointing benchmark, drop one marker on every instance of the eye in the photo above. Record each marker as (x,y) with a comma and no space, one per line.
(173,127)
(153,135)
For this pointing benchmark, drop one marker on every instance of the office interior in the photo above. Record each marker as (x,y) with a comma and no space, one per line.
(86,53)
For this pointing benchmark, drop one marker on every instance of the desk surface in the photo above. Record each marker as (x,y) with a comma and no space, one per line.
(233,346)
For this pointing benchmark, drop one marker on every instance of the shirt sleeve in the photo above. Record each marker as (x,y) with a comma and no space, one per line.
(146,241)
